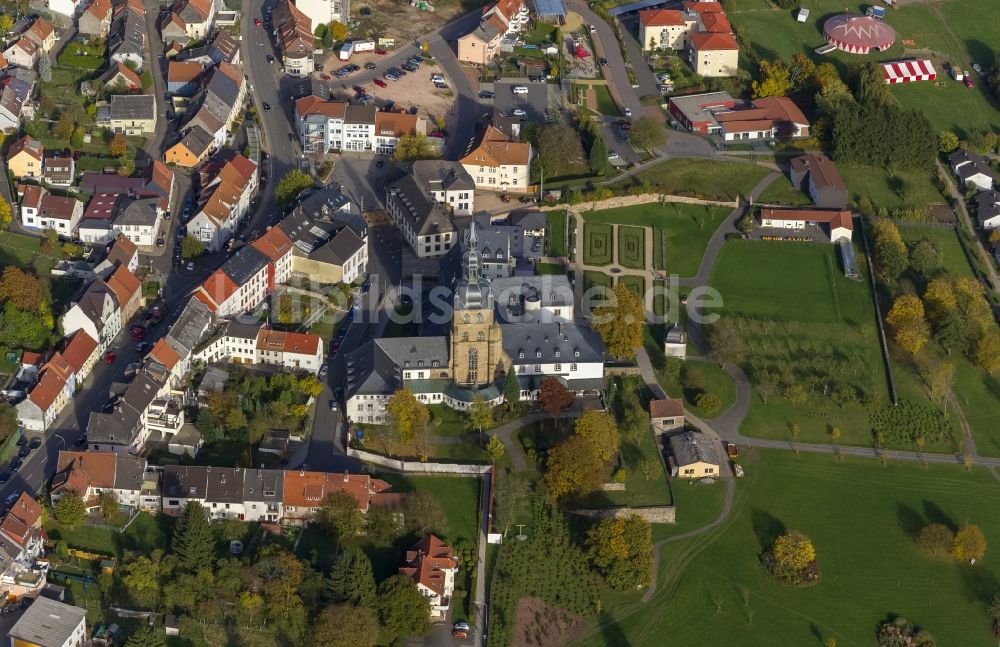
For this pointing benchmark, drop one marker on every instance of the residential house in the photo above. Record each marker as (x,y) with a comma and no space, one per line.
(95,21)
(503,18)
(325,11)
(988,209)
(81,353)
(432,564)
(224,202)
(391,126)
(22,526)
(196,16)
(835,225)
(304,493)
(91,474)
(816,175)
(120,79)
(42,210)
(447,182)
(68,8)
(325,126)
(42,34)
(192,150)
(173,30)
(121,251)
(496,163)
(239,286)
(666,415)
(223,49)
(127,35)
(278,247)
(133,114)
(97,313)
(767,118)
(714,54)
(47,622)
(23,52)
(139,219)
(972,168)
(182,77)
(127,291)
(217,106)
(55,388)
(15,100)
(294,33)
(664,29)
(24,158)
(675,342)
(297,351)
(422,221)
(59,171)
(328,243)
(693,456)
(126,427)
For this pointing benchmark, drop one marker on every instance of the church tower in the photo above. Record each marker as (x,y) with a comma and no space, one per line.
(476,338)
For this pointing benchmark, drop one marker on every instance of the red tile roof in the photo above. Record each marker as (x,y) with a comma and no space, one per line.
(426,562)
(666,408)
(716,23)
(79,471)
(27,145)
(308,489)
(53,380)
(830,216)
(124,284)
(216,289)
(706,42)
(704,7)
(26,510)
(288,342)
(183,71)
(274,244)
(313,105)
(661,17)
(79,349)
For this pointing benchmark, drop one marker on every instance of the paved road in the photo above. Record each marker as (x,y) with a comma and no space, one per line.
(157,66)
(606,45)
(649,86)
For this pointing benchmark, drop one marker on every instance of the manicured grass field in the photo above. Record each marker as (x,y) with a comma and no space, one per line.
(555,235)
(631,247)
(708,179)
(597,279)
(597,241)
(636,284)
(144,534)
(549,268)
(782,192)
(458,496)
(793,307)
(875,183)
(687,228)
(605,104)
(697,503)
(861,518)
(717,381)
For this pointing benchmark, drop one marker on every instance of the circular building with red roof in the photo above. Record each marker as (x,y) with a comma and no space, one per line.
(858,34)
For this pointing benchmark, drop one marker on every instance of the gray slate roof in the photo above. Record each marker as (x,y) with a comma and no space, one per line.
(376,367)
(692,447)
(192,323)
(225,485)
(263,485)
(133,106)
(442,175)
(48,623)
(549,289)
(141,212)
(244,264)
(197,140)
(340,248)
(551,343)
(427,215)
(185,481)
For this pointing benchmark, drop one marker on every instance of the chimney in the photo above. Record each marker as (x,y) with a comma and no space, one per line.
(345,476)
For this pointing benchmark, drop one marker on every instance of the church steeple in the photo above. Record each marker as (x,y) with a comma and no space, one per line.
(473,290)
(471,259)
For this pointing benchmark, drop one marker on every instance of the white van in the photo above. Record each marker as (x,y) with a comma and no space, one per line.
(520,89)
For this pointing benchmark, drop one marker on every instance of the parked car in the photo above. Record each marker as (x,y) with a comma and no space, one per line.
(23,452)
(380,83)
(270,59)
(358,89)
(381,52)
(323,371)
(370,66)
(267,106)
(22,441)
(4,476)
(141,346)
(35,443)
(109,357)
(258,22)
(486,94)
(16,465)
(190,266)
(613,155)
(628,112)
(517,112)
(520,89)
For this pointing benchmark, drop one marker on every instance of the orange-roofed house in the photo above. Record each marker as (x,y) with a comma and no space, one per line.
(227,203)
(664,29)
(666,415)
(767,118)
(217,293)
(22,526)
(713,54)
(277,246)
(301,351)
(432,564)
(390,126)
(42,34)
(25,158)
(320,123)
(55,387)
(89,474)
(182,77)
(95,21)
(498,164)
(304,492)
(127,290)
(81,353)
(835,224)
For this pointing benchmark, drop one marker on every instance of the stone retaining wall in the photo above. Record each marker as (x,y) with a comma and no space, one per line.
(642,198)
(417,467)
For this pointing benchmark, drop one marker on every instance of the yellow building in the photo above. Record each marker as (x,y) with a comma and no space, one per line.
(24,159)
(476,338)
(693,456)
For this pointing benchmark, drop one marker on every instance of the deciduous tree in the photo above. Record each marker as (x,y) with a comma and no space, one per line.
(6,22)
(495,448)
(141,580)
(64,127)
(925,259)
(599,156)
(970,544)
(406,415)
(775,80)
(560,151)
(647,133)
(70,510)
(553,397)
(709,404)
(424,514)
(415,146)
(619,321)
(402,609)
(936,539)
(291,185)
(890,250)
(947,141)
(108,504)
(726,342)
(622,549)
(988,352)
(5,215)
(480,414)
(339,514)
(310,385)
(116,147)
(351,580)
(342,625)
(600,430)
(906,318)
(573,468)
(22,289)
(337,30)
(191,247)
(792,552)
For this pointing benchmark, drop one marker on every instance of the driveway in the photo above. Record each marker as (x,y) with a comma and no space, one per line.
(648,85)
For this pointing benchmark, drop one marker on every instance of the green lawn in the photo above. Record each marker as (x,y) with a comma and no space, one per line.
(717,381)
(798,315)
(555,235)
(782,192)
(597,242)
(708,179)
(960,30)
(636,284)
(946,240)
(861,517)
(144,534)
(697,504)
(549,268)
(82,57)
(875,183)
(595,279)
(686,229)
(631,247)
(458,496)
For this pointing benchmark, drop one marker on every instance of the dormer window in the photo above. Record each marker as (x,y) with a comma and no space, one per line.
(538,352)
(576,352)
(420,363)
(557,352)
(520,354)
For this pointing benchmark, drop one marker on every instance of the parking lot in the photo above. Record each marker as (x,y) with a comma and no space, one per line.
(533,104)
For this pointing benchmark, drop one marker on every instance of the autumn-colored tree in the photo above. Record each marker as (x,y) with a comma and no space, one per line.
(970,544)
(416,146)
(573,468)
(835,434)
(988,352)
(116,147)
(22,289)
(939,298)
(647,133)
(553,397)
(802,72)
(775,80)
(890,250)
(6,22)
(406,414)
(938,376)
(337,30)
(619,321)
(973,305)
(947,141)
(5,214)
(291,184)
(310,385)
(622,549)
(906,318)
(936,539)
(64,127)
(495,448)
(600,430)
(793,552)
(480,414)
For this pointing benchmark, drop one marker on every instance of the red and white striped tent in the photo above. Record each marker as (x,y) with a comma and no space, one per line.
(906,71)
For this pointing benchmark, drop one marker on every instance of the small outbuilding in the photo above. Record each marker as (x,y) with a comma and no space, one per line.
(675,342)
(666,415)
(693,456)
(857,34)
(802,15)
(908,71)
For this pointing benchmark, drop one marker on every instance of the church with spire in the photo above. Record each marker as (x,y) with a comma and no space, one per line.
(524,324)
